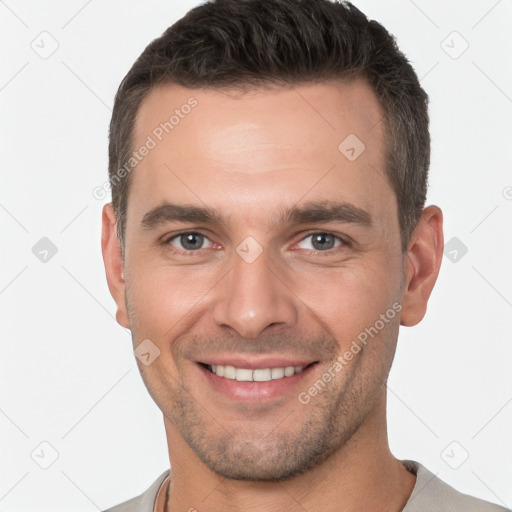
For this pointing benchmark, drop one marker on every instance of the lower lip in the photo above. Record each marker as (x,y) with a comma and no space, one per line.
(256,392)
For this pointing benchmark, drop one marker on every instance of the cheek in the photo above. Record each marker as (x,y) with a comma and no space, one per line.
(347,300)
(167,299)
(162,296)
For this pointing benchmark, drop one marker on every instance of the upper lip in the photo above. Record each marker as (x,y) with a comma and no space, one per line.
(254,362)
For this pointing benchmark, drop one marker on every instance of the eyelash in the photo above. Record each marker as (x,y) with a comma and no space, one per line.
(329,252)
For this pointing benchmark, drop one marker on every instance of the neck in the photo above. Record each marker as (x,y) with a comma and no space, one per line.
(361,475)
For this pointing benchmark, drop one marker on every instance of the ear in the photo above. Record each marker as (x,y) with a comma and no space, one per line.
(114,267)
(422,264)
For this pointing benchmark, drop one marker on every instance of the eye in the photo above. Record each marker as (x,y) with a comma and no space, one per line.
(321,242)
(189,241)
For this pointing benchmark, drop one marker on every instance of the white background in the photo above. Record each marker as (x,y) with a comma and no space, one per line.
(67,370)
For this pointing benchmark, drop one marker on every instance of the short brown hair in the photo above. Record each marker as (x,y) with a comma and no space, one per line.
(252,43)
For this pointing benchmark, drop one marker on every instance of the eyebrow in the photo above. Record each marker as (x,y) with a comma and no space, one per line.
(323,211)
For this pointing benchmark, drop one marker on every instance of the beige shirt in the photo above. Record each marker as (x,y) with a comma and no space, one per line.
(430,494)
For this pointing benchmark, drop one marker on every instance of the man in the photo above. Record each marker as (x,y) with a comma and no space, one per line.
(267,237)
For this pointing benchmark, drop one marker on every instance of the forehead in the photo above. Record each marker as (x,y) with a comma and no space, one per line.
(276,144)
(328,110)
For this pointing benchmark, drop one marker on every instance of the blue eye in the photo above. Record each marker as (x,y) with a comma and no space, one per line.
(190,241)
(322,241)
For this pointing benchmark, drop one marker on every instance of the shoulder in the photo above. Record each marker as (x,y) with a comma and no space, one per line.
(144,502)
(431,493)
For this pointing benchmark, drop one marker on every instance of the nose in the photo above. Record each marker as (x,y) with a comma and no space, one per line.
(253,297)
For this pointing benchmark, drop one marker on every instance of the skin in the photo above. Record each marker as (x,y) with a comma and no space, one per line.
(249,157)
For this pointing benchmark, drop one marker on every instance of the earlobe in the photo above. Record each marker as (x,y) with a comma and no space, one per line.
(113,261)
(422,264)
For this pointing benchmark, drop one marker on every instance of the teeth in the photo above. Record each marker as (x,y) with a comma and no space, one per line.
(229,372)
(289,371)
(262,374)
(277,373)
(258,375)
(244,375)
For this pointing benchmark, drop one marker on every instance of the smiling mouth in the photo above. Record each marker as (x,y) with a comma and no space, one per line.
(254,375)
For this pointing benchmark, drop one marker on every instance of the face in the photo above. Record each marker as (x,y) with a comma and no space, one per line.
(262,242)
